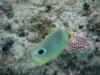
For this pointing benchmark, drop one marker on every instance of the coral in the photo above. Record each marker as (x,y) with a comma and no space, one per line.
(78,44)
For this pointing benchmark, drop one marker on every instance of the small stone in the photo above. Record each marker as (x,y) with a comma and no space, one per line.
(32,37)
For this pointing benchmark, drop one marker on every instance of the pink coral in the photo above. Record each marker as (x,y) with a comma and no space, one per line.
(78,43)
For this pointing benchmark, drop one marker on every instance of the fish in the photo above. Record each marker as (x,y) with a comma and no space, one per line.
(51,47)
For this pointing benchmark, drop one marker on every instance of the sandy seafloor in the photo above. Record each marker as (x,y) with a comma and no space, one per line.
(24,23)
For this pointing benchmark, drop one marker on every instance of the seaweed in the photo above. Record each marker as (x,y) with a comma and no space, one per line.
(91,25)
(86,6)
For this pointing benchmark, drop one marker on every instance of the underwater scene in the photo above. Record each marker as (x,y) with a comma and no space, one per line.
(49,37)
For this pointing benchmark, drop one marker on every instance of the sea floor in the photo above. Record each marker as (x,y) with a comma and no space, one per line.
(25,23)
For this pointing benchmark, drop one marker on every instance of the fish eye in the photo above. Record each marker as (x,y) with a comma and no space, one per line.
(42,51)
